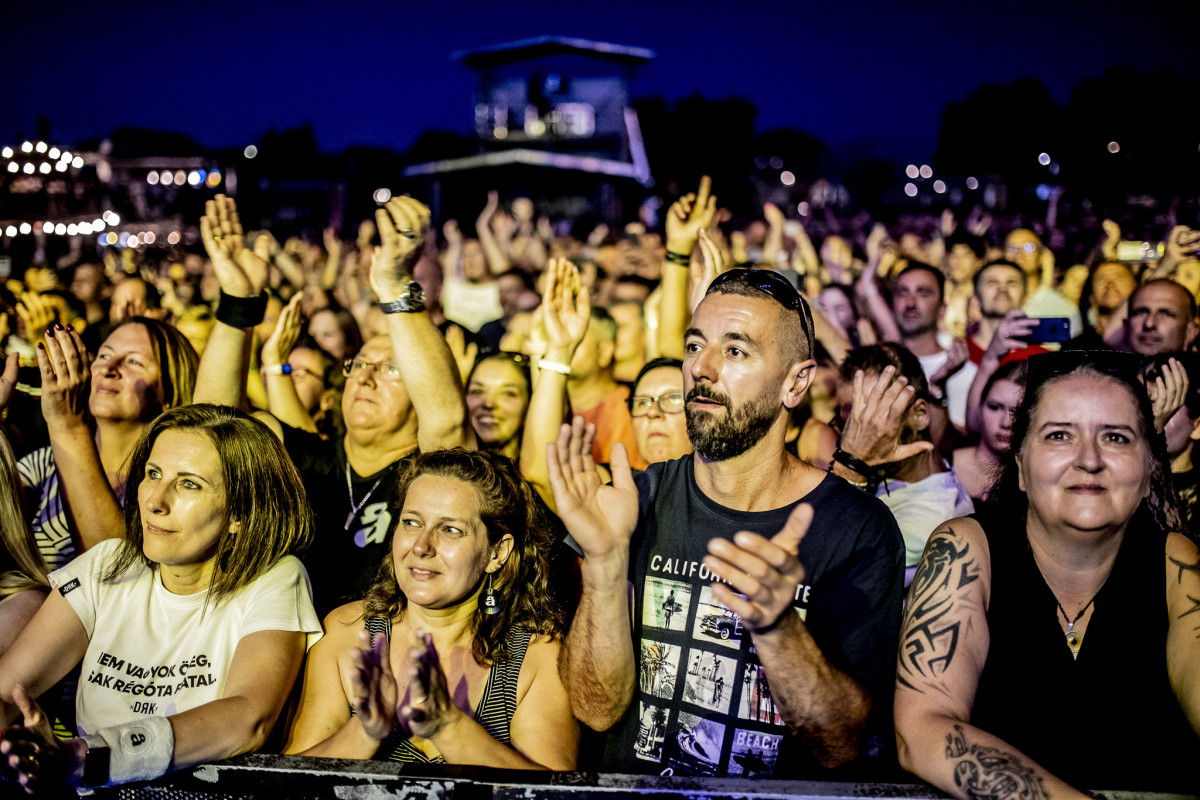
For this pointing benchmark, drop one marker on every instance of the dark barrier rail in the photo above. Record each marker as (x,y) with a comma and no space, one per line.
(265,777)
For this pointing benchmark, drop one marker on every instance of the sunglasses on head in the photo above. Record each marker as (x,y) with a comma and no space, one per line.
(771,283)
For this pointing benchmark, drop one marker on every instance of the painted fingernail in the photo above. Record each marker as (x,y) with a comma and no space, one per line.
(58,327)
(49,332)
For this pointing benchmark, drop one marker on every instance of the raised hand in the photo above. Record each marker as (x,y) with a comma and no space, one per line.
(1112,237)
(66,378)
(464,353)
(773,215)
(689,215)
(1182,243)
(428,709)
(35,314)
(33,757)
(701,275)
(1009,333)
(242,272)
(762,574)
(565,309)
(8,379)
(600,518)
(403,225)
(957,356)
(279,344)
(369,684)
(876,423)
(454,237)
(489,210)
(1167,392)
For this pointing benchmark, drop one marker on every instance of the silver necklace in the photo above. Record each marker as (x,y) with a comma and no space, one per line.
(355,508)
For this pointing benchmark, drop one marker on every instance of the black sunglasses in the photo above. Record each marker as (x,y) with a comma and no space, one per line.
(771,283)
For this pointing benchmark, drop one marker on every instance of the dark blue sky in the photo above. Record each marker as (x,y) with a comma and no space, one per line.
(378,73)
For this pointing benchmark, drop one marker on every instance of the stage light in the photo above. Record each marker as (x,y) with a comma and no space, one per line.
(910,189)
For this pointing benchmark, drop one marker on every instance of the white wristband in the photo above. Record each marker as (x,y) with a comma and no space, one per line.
(139,750)
(276,369)
(554,366)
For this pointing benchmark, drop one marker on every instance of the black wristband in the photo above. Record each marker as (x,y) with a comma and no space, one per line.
(241,312)
(855,463)
(95,767)
(679,258)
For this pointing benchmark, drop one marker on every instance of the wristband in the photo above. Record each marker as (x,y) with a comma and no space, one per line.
(854,463)
(410,301)
(95,766)
(241,312)
(554,366)
(856,484)
(277,369)
(679,258)
(138,750)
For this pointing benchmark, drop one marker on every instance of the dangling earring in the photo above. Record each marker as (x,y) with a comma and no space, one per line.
(490,606)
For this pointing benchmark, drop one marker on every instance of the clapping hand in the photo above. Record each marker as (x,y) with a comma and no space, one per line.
(762,574)
(428,709)
(66,378)
(369,685)
(599,518)
(279,344)
(242,272)
(1167,392)
(566,309)
(403,225)
(689,215)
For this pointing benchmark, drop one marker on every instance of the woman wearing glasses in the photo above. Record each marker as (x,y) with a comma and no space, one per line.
(1050,641)
(656,406)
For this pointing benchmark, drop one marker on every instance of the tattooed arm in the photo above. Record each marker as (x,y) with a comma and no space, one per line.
(1183,637)
(943,646)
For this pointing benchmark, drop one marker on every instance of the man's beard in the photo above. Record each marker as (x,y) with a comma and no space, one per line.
(730,435)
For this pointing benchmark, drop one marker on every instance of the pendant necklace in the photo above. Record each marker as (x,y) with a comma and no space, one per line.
(1074,637)
(354,509)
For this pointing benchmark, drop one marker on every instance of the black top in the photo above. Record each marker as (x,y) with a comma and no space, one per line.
(1109,719)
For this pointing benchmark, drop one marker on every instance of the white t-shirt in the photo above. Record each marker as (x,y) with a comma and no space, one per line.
(154,653)
(921,506)
(957,387)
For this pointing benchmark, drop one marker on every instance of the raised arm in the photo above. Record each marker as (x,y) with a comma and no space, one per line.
(425,361)
(685,219)
(1006,338)
(879,255)
(242,273)
(66,381)
(565,312)
(282,399)
(943,646)
(497,261)
(597,664)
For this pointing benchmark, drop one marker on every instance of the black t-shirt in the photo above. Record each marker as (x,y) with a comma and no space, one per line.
(349,541)
(703,704)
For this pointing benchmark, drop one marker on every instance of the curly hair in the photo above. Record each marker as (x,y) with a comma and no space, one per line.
(1159,510)
(507,506)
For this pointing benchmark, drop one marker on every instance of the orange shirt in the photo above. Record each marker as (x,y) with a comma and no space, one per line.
(613,424)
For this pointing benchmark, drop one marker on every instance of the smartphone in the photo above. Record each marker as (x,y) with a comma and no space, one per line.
(1135,252)
(1049,329)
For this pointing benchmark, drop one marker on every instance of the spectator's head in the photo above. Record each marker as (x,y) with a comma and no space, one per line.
(747,362)
(376,406)
(630,346)
(1162,318)
(1024,248)
(142,368)
(468,519)
(513,286)
(336,332)
(314,372)
(872,360)
(659,425)
(595,354)
(837,304)
(964,253)
(87,282)
(498,392)
(132,297)
(631,289)
(428,273)
(917,299)
(223,484)
(1111,283)
(999,287)
(474,261)
(1001,396)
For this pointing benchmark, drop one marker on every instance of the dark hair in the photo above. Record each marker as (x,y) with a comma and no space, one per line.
(662,362)
(796,325)
(263,493)
(1159,510)
(178,363)
(977,244)
(874,357)
(348,326)
(1013,371)
(1000,262)
(921,266)
(506,506)
(331,368)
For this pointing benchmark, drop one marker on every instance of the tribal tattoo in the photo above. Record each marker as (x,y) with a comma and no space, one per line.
(989,773)
(930,634)
(1184,568)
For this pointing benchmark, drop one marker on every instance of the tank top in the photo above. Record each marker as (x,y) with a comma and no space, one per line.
(1108,719)
(496,706)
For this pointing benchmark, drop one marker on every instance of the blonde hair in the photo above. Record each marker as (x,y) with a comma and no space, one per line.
(15,531)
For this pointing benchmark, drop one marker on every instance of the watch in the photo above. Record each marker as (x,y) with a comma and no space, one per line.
(410,301)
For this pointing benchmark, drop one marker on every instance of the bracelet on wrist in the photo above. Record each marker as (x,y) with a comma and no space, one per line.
(276,369)
(554,366)
(241,312)
(679,258)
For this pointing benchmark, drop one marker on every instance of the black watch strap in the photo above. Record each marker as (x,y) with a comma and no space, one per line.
(95,767)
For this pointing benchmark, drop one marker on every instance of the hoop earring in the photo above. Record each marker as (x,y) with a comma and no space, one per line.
(489,602)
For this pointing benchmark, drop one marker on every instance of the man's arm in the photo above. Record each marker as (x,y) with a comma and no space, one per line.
(425,361)
(497,261)
(943,647)
(221,377)
(597,662)
(686,218)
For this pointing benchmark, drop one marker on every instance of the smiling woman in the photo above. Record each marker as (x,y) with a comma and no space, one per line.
(464,598)
(189,631)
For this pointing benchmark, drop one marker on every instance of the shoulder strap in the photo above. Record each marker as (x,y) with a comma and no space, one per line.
(499,701)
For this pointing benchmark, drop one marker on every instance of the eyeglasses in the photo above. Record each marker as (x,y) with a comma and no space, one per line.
(668,403)
(771,283)
(1028,247)
(384,370)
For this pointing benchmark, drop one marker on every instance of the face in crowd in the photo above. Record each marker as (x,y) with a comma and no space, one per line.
(917,302)
(1160,318)
(659,425)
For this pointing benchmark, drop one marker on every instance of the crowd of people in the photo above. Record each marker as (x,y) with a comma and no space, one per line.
(646,501)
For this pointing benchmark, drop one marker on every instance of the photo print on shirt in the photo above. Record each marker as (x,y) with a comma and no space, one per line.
(658,667)
(652,729)
(666,604)
(709,680)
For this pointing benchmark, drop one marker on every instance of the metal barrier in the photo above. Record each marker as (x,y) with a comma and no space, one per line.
(266,777)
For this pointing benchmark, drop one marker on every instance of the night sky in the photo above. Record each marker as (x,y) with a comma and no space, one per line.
(853,74)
